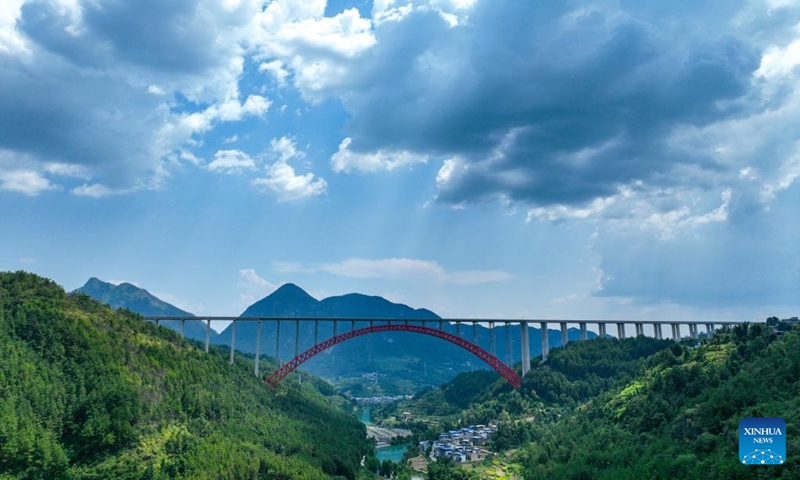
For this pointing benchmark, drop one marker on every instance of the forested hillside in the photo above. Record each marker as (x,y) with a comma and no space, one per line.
(572,374)
(144,303)
(635,408)
(638,408)
(86,392)
(679,417)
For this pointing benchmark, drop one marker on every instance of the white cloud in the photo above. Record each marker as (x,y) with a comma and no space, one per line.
(113,94)
(285,149)
(231,161)
(98,190)
(68,170)
(253,287)
(28,182)
(249,279)
(276,69)
(779,61)
(300,43)
(346,160)
(200,122)
(283,181)
(405,269)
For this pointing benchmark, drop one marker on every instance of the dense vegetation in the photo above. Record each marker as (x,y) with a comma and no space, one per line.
(679,417)
(86,392)
(572,374)
(636,408)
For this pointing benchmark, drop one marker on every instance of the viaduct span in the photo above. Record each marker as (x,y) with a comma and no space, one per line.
(435,327)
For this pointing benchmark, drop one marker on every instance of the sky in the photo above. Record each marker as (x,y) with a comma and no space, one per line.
(484,159)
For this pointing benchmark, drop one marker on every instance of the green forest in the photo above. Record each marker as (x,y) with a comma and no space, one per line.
(91,393)
(630,409)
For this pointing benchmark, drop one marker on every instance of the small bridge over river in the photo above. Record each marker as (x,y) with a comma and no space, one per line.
(436,328)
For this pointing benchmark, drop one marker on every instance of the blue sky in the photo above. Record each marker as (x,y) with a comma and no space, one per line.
(592,159)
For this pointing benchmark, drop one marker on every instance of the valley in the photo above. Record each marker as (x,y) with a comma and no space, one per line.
(90,392)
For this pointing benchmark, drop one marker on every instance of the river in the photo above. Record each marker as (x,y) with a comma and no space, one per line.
(393,453)
(366,416)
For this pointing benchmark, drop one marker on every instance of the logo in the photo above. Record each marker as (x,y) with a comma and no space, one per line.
(762,441)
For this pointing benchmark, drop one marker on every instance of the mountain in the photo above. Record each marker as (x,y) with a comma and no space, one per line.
(288,300)
(679,416)
(638,407)
(144,303)
(89,392)
(402,362)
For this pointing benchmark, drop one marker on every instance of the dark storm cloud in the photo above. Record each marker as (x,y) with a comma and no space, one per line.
(547,103)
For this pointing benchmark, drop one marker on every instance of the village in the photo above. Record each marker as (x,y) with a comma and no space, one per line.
(462,445)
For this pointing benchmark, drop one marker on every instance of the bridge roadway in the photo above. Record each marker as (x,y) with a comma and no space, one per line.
(543,324)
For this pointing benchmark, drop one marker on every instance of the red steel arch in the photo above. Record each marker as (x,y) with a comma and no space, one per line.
(501,368)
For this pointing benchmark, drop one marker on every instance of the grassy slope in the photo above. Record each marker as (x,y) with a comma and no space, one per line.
(86,392)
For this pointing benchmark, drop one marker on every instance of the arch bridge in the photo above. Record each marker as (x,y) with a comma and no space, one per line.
(436,328)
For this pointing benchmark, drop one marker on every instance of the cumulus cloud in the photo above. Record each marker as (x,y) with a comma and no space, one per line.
(252,287)
(405,269)
(28,182)
(659,124)
(250,280)
(93,86)
(282,180)
(559,107)
(345,160)
(231,161)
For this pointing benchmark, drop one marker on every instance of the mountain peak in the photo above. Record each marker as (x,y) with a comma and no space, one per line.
(127,295)
(288,300)
(289,289)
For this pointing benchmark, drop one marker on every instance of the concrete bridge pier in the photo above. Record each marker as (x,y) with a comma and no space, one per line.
(564,338)
(526,348)
(601,328)
(676,331)
(639,329)
(208,334)
(509,352)
(233,341)
(297,338)
(620,331)
(583,330)
(258,347)
(693,330)
(183,326)
(710,329)
(657,330)
(278,341)
(492,345)
(545,341)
